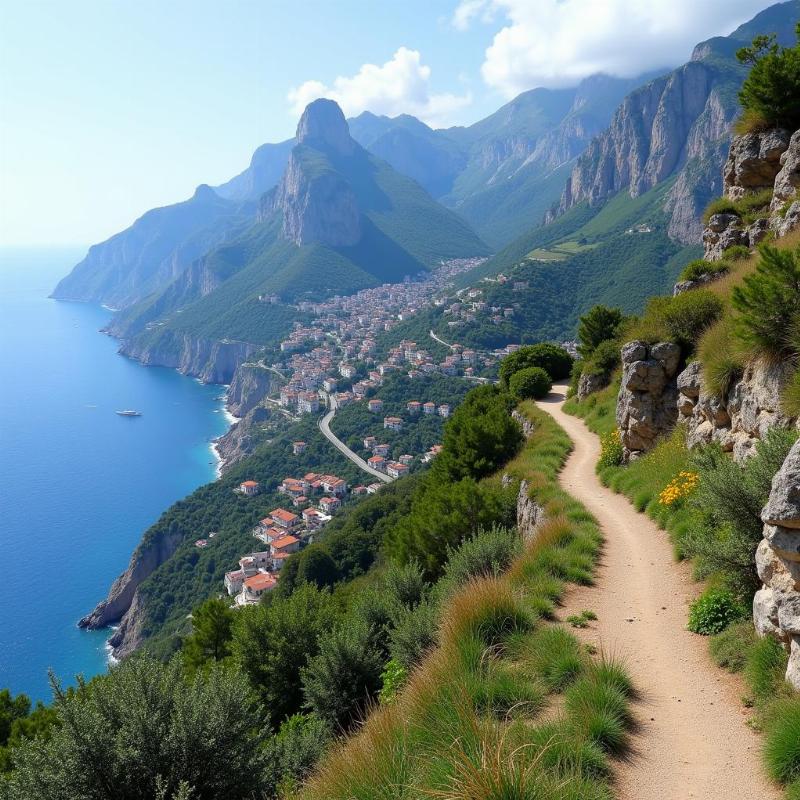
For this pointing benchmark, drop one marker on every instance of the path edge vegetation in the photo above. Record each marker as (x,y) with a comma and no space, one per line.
(467,723)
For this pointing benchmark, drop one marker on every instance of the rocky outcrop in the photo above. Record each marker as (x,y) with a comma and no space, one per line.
(776,606)
(210,361)
(242,438)
(676,124)
(757,162)
(317,203)
(526,425)
(250,385)
(589,384)
(753,162)
(646,405)
(696,283)
(530,514)
(145,560)
(739,419)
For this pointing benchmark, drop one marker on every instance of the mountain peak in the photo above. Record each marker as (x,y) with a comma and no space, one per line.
(324,127)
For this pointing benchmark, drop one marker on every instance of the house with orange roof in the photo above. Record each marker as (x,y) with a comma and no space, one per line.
(298,448)
(256,585)
(329,505)
(249,488)
(284,519)
(376,462)
(285,545)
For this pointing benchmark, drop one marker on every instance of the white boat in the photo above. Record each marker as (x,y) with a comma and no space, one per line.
(129,413)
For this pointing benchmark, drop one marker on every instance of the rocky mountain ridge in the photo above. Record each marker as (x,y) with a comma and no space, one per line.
(676,127)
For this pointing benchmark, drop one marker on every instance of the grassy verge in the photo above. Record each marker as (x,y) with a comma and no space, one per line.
(469,723)
(597,410)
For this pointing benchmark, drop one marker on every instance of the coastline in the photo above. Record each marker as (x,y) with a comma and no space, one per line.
(231,419)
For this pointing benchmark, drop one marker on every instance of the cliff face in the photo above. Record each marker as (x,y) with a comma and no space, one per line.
(145,560)
(675,125)
(153,251)
(250,385)
(317,204)
(766,161)
(210,361)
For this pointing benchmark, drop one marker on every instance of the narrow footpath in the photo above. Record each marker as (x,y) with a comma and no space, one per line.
(691,738)
(325,427)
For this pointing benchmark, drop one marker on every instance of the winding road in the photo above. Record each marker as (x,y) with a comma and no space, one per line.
(325,427)
(692,738)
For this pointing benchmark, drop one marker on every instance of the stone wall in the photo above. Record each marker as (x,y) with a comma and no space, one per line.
(776,606)
(646,405)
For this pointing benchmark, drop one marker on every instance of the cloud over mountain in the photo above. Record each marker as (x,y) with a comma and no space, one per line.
(399,86)
(556,43)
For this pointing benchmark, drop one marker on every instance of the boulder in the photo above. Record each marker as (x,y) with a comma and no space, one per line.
(753,162)
(757,231)
(787,181)
(783,507)
(589,384)
(784,541)
(765,612)
(783,224)
(789,614)
(690,380)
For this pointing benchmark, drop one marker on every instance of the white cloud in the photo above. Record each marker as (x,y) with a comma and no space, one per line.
(558,42)
(400,86)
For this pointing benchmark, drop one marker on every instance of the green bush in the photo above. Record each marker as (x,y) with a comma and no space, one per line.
(767,304)
(611,451)
(680,319)
(721,357)
(736,252)
(393,678)
(414,634)
(782,747)
(554,360)
(599,324)
(714,611)
(530,383)
(604,360)
(698,268)
(771,91)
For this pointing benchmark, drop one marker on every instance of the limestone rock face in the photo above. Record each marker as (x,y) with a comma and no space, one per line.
(776,607)
(753,162)
(530,514)
(647,401)
(787,181)
(783,507)
(589,384)
(737,421)
(767,160)
(250,385)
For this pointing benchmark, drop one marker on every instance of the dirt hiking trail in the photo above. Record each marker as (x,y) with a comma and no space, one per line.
(692,740)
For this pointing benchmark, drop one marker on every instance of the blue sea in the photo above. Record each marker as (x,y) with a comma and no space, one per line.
(78,483)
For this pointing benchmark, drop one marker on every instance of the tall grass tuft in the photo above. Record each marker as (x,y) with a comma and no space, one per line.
(782,748)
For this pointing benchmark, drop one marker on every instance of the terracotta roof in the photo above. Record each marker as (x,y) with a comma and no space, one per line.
(284,541)
(282,513)
(249,483)
(260,582)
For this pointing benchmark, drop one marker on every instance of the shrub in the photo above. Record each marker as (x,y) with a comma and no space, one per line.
(699,268)
(782,747)
(604,360)
(293,752)
(600,711)
(790,397)
(530,383)
(393,677)
(680,319)
(729,649)
(771,90)
(713,611)
(554,360)
(610,450)
(341,680)
(599,324)
(736,252)
(414,634)
(768,304)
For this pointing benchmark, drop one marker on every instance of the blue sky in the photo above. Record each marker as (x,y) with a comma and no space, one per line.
(111,107)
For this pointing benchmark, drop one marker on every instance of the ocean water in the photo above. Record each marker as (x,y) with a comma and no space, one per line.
(78,483)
